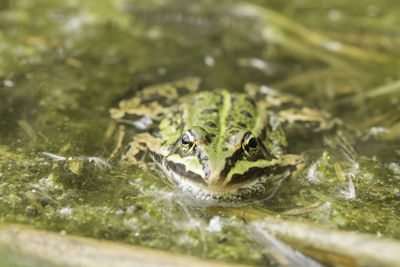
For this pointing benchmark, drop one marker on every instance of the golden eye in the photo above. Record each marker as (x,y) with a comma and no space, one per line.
(250,144)
(187,142)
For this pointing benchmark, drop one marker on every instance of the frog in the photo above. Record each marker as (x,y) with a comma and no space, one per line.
(217,144)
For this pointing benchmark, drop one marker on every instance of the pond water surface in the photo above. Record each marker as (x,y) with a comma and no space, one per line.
(65,63)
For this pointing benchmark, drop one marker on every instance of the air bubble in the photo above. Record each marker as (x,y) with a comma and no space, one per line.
(227,197)
(247,193)
(260,188)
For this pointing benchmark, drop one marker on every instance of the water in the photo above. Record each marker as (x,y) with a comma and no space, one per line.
(64,64)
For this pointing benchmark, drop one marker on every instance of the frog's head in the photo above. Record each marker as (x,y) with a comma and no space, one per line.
(226,165)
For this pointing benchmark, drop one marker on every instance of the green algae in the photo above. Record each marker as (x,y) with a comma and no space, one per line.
(65,63)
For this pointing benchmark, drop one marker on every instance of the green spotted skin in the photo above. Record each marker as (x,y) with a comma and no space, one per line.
(219,121)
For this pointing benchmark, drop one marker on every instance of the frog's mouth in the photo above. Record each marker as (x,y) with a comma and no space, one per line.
(261,187)
(255,180)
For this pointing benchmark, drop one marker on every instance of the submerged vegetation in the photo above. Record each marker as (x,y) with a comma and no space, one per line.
(64,64)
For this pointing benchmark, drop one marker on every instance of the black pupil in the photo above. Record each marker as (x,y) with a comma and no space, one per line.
(252,143)
(185,139)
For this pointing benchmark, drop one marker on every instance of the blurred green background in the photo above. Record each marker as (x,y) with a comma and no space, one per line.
(65,63)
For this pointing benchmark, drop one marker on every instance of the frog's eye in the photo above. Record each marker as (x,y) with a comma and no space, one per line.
(250,144)
(187,142)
